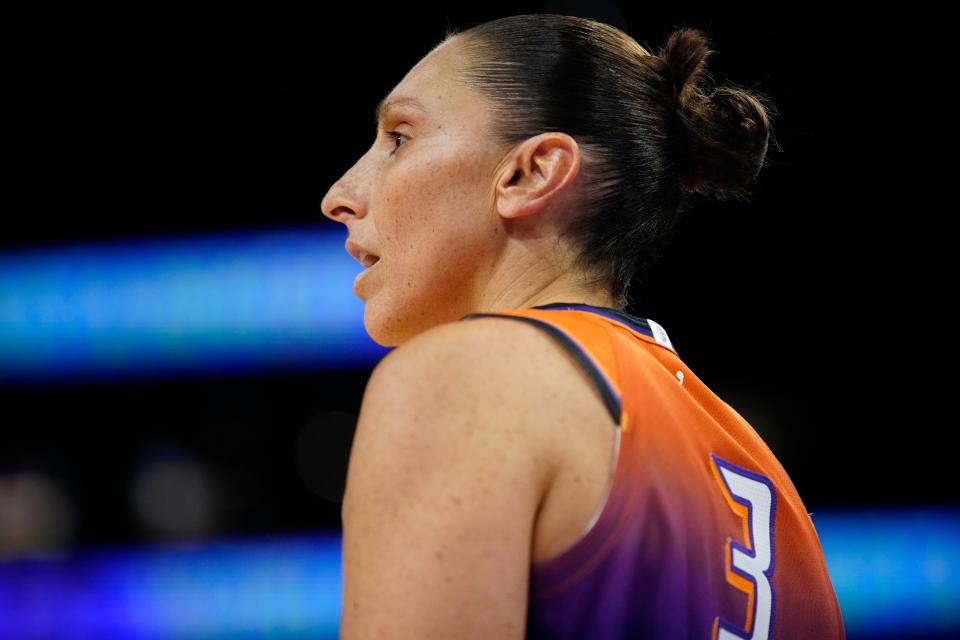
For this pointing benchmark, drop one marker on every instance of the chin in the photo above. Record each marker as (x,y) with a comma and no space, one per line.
(392,324)
(377,324)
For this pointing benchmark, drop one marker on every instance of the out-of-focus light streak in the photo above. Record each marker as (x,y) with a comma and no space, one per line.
(269,299)
(272,588)
(897,574)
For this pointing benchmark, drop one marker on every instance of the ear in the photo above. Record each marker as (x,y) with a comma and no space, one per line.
(539,170)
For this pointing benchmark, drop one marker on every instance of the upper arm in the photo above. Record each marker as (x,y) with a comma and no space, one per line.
(446,475)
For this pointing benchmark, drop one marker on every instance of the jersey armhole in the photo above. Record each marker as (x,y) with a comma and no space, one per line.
(597,540)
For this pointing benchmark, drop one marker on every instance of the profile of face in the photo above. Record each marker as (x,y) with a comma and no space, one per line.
(437,201)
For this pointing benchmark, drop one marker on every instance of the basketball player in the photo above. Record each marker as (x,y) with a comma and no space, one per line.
(531,460)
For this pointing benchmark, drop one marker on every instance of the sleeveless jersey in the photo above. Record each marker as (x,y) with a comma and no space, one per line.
(701,533)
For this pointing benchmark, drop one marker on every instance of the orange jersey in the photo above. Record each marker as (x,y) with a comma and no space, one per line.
(702,533)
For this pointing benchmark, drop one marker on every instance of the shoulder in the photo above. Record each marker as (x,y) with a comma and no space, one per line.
(500,342)
(488,364)
(509,384)
(450,465)
(486,331)
(496,360)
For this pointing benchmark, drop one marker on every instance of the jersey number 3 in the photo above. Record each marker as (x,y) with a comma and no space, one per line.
(750,567)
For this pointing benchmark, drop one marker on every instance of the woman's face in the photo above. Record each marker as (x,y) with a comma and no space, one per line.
(422,198)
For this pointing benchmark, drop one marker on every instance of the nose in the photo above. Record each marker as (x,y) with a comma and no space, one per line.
(337,206)
(343,200)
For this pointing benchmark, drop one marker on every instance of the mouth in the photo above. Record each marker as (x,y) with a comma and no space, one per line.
(369,260)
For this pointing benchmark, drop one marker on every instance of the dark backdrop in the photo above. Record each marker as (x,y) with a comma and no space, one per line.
(803,308)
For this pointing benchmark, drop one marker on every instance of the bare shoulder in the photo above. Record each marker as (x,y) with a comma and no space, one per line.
(496,367)
(478,338)
(517,351)
(449,472)
(512,379)
(502,362)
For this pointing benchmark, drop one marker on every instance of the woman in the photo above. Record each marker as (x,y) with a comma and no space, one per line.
(563,474)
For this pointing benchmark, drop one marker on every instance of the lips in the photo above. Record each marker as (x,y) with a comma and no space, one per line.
(361,254)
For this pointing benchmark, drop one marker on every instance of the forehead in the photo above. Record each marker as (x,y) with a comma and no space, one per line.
(427,89)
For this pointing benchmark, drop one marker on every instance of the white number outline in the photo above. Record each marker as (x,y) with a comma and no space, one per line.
(749,568)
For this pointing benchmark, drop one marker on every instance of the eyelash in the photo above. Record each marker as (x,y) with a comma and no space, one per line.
(394,135)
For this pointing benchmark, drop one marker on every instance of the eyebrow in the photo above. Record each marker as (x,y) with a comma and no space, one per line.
(384,107)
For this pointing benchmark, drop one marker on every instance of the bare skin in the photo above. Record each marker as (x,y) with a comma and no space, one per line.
(460,224)
(463,226)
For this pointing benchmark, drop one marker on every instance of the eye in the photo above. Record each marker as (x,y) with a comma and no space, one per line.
(395,135)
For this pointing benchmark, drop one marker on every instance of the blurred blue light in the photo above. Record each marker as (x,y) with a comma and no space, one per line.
(226,302)
(274,588)
(897,574)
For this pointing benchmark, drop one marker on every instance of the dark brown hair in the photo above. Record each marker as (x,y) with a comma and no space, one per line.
(652,129)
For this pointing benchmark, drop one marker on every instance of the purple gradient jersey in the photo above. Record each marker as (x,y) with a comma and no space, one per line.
(702,533)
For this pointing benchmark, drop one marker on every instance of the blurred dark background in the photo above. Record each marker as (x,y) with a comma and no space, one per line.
(804,308)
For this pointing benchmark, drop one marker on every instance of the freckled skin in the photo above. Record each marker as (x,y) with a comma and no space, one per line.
(460,224)
(464,226)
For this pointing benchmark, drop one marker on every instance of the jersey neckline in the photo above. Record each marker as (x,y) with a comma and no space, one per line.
(642,325)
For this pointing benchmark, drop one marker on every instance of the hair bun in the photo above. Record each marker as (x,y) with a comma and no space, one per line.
(686,53)
(724,130)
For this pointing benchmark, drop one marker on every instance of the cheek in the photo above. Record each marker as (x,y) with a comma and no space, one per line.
(431,217)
